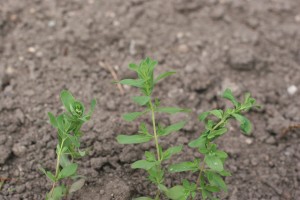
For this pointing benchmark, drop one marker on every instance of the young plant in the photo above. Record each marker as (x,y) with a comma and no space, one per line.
(68,127)
(211,169)
(152,163)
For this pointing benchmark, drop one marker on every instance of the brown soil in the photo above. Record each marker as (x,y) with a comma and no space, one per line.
(47,46)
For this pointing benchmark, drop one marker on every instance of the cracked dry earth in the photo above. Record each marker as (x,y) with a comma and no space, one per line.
(50,45)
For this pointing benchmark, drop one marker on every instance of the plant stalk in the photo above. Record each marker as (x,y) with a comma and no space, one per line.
(57,166)
(154,131)
(203,163)
(156,142)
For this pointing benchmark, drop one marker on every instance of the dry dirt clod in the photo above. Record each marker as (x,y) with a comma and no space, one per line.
(241,58)
(19,150)
(4,153)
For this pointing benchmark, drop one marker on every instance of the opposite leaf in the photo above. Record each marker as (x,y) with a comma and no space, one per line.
(176,193)
(170,151)
(214,162)
(245,124)
(132,116)
(142,164)
(171,110)
(228,95)
(141,100)
(172,128)
(68,171)
(77,185)
(133,82)
(133,139)
(67,99)
(164,75)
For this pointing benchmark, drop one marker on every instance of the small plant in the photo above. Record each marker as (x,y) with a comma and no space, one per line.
(211,169)
(68,127)
(152,163)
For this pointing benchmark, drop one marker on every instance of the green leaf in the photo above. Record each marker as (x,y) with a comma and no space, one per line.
(176,193)
(64,160)
(171,110)
(133,139)
(217,113)
(58,193)
(212,188)
(62,123)
(142,164)
(172,128)
(68,171)
(141,100)
(183,166)
(133,66)
(132,116)
(52,119)
(164,75)
(170,151)
(133,82)
(216,180)
(203,116)
(150,156)
(214,162)
(245,124)
(198,143)
(48,174)
(67,99)
(228,95)
(225,173)
(216,133)
(143,198)
(162,188)
(77,185)
(221,154)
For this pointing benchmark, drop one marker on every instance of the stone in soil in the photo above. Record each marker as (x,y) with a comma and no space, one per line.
(4,153)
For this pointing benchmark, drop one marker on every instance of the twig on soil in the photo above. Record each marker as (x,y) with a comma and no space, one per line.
(286,130)
(114,75)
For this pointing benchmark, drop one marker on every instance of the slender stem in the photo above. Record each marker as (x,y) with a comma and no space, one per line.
(57,166)
(203,163)
(154,131)
(156,142)
(200,173)
(157,195)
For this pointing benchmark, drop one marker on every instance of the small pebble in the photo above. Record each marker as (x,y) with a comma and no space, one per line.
(249,141)
(51,23)
(31,49)
(183,48)
(19,150)
(297,18)
(292,89)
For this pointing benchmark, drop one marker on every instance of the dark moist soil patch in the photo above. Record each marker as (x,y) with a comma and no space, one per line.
(47,46)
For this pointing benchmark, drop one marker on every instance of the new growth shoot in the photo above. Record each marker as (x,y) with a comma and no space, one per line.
(68,127)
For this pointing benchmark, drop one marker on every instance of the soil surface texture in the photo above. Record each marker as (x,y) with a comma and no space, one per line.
(50,45)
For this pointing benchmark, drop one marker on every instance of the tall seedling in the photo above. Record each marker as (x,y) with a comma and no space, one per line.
(68,127)
(153,161)
(210,169)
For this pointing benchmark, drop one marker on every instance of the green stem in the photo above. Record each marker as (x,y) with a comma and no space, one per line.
(154,131)
(57,166)
(157,195)
(156,142)
(203,163)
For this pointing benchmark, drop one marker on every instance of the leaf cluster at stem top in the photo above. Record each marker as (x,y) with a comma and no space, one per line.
(68,127)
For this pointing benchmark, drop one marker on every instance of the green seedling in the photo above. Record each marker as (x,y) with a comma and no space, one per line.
(68,127)
(210,169)
(152,163)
